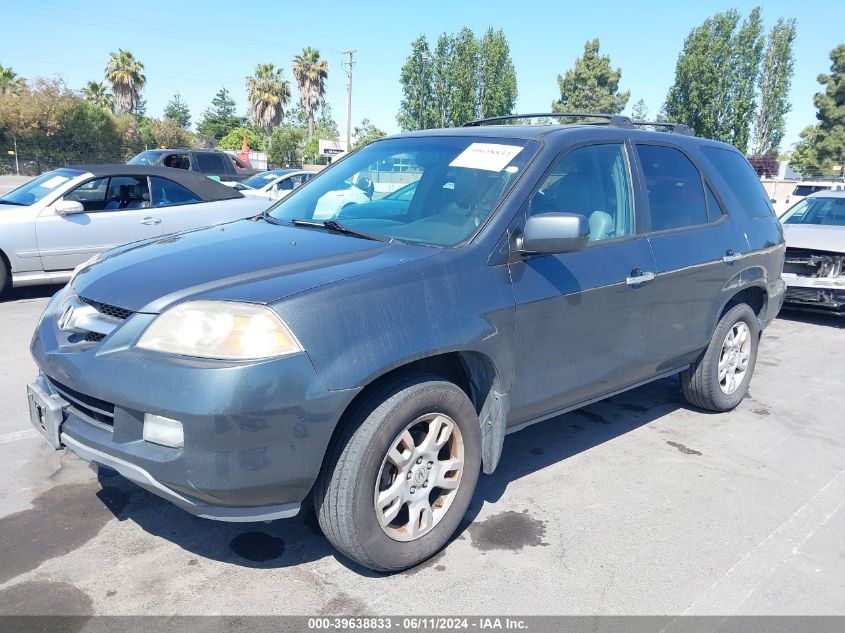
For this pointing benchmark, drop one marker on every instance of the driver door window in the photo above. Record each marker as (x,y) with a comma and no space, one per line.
(595,182)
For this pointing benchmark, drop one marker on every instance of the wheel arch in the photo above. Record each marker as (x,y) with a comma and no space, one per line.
(473,372)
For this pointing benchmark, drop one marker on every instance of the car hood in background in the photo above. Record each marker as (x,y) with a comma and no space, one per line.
(249,260)
(817,237)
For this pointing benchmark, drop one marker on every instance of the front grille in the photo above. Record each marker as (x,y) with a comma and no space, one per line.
(94,337)
(109,310)
(98,412)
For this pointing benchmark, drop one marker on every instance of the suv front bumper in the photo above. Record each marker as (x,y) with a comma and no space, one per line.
(255,433)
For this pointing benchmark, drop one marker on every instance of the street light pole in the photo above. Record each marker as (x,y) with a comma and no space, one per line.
(348,64)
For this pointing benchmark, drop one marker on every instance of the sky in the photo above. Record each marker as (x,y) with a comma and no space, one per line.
(196,46)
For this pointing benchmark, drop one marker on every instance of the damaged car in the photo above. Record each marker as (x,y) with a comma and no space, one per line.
(814,265)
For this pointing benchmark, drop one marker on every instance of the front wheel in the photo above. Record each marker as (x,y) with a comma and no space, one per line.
(400,477)
(718,380)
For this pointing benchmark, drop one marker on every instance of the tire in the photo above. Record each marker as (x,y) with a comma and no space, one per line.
(702,382)
(359,460)
(5,276)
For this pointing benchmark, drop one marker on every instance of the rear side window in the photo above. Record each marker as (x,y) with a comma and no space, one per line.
(674,188)
(167,193)
(741,179)
(211,163)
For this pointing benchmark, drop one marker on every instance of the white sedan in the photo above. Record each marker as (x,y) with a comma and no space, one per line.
(276,184)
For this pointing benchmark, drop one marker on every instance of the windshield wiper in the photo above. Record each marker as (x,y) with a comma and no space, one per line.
(265,215)
(336,227)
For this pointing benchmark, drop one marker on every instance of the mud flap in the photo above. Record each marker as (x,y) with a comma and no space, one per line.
(492,418)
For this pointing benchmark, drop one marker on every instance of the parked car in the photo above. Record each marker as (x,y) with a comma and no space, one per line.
(378,362)
(809,187)
(814,269)
(56,221)
(217,165)
(277,183)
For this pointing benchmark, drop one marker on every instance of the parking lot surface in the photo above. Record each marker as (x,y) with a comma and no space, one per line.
(634,505)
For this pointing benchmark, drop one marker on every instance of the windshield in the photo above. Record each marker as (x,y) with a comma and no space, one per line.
(824,211)
(459,181)
(806,190)
(145,158)
(32,191)
(259,180)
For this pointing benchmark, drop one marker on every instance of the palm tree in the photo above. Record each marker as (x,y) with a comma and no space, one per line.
(126,76)
(10,82)
(268,93)
(310,73)
(97,93)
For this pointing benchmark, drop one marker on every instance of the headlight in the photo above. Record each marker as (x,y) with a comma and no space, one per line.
(220,329)
(88,262)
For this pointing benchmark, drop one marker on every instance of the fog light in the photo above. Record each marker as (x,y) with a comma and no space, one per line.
(164,431)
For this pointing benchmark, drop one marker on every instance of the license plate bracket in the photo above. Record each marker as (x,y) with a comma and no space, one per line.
(46,413)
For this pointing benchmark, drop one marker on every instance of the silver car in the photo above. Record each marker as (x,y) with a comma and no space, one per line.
(57,221)
(814,268)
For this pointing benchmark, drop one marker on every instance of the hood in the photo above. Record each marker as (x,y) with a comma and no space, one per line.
(817,237)
(247,260)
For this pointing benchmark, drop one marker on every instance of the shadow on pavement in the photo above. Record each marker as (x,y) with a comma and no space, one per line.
(812,317)
(29,292)
(299,540)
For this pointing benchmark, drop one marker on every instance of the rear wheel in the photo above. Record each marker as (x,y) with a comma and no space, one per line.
(400,477)
(5,276)
(718,380)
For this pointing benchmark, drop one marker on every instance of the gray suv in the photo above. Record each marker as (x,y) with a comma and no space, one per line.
(376,354)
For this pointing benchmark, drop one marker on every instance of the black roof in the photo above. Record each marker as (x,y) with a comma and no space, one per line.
(202,186)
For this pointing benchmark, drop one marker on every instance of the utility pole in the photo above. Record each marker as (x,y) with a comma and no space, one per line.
(347,65)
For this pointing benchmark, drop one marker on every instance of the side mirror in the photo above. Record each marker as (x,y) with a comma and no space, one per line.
(69,207)
(553,233)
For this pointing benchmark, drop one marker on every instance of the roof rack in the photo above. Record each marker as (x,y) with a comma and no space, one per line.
(610,120)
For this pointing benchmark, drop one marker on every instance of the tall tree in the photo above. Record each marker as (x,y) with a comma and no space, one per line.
(715,77)
(775,78)
(97,93)
(416,110)
(177,111)
(497,77)
(821,151)
(268,93)
(463,77)
(592,85)
(639,111)
(310,73)
(10,81)
(126,76)
(219,119)
(441,99)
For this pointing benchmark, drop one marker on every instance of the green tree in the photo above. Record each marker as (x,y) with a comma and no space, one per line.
(219,119)
(592,85)
(234,139)
(126,76)
(417,108)
(639,111)
(497,77)
(440,76)
(268,94)
(10,82)
(775,79)
(177,110)
(463,78)
(716,75)
(168,133)
(821,151)
(287,143)
(97,93)
(366,133)
(310,73)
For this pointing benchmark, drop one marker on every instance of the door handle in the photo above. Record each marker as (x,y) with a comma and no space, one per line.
(731,256)
(638,277)
(151,220)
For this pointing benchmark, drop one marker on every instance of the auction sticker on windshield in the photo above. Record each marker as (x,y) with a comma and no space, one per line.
(54,182)
(487,156)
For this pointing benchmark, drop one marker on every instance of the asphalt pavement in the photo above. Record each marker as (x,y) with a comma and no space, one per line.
(634,505)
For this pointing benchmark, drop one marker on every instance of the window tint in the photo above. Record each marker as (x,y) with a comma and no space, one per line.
(167,193)
(742,180)
(177,161)
(714,209)
(594,182)
(210,163)
(674,187)
(127,192)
